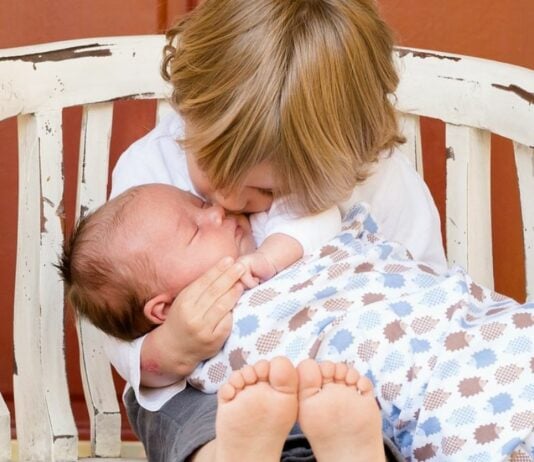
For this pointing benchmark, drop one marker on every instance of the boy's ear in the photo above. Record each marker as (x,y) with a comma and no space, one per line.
(155,310)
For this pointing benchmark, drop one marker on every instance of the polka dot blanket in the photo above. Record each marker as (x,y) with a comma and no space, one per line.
(451,361)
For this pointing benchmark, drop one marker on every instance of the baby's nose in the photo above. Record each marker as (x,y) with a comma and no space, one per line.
(213,215)
(234,201)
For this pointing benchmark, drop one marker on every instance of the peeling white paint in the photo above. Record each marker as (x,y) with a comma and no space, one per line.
(470,95)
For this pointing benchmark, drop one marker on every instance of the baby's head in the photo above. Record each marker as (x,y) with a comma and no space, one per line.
(125,263)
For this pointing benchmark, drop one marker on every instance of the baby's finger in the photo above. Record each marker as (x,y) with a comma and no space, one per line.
(203,285)
(249,281)
(217,311)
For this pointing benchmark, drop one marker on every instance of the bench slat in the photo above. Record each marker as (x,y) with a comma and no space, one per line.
(56,74)
(64,432)
(34,430)
(98,385)
(469,237)
(467,91)
(524,160)
(5,432)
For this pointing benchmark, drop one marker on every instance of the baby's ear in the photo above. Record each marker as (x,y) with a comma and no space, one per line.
(156,308)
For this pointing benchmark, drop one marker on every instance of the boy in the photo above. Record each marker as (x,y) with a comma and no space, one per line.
(273,99)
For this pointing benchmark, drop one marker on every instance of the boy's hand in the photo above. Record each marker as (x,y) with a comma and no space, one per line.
(201,315)
(258,269)
(198,322)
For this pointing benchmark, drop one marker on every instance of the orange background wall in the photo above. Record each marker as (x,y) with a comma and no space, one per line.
(491,29)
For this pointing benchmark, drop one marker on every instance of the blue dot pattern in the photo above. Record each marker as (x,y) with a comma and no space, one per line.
(452,362)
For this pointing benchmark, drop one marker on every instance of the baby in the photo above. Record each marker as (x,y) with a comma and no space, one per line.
(436,347)
(126,262)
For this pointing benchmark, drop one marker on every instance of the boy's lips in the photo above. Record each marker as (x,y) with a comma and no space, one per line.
(243,234)
(241,225)
(233,223)
(239,231)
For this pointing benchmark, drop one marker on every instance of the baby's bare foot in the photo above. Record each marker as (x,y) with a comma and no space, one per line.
(257,409)
(338,413)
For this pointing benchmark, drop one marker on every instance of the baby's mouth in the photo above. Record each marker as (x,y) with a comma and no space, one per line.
(238,231)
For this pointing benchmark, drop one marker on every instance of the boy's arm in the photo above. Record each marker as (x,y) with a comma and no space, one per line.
(161,365)
(197,324)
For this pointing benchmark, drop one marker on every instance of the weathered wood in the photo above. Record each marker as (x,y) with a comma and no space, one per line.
(411,129)
(63,74)
(64,432)
(98,385)
(469,237)
(34,430)
(524,160)
(5,432)
(99,391)
(462,90)
(40,381)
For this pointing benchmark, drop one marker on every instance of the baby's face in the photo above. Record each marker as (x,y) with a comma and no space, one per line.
(184,237)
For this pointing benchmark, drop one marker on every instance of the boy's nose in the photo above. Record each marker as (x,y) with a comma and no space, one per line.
(213,215)
(234,201)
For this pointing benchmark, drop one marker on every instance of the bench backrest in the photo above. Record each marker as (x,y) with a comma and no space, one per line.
(473,97)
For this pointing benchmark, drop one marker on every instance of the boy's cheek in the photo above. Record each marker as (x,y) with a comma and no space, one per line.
(258,202)
(199,179)
(202,186)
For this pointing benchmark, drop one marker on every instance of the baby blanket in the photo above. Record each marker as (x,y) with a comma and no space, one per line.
(452,362)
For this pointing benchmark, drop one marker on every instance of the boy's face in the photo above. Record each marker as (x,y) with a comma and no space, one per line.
(186,236)
(255,195)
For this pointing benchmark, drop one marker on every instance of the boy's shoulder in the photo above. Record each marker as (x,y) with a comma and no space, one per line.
(169,128)
(155,158)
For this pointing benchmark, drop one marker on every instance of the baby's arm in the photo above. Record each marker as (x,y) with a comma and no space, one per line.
(275,254)
(284,238)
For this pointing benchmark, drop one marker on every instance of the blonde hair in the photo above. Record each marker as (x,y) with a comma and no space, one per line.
(100,286)
(301,83)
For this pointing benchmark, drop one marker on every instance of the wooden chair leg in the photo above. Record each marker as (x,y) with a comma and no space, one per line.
(5,432)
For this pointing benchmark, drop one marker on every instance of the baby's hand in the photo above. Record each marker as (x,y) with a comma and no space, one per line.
(258,269)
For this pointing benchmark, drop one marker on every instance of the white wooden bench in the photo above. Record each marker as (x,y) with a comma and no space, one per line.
(472,96)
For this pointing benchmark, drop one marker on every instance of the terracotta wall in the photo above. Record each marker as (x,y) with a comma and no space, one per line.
(491,29)
(486,28)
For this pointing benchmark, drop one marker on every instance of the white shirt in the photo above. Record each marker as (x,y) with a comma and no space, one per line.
(400,201)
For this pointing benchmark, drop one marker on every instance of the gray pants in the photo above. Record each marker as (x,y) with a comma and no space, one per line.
(187,422)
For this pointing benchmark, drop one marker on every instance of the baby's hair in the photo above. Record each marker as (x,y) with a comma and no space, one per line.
(98,285)
(305,84)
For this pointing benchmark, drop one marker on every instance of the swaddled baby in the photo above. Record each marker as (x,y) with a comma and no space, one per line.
(450,360)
